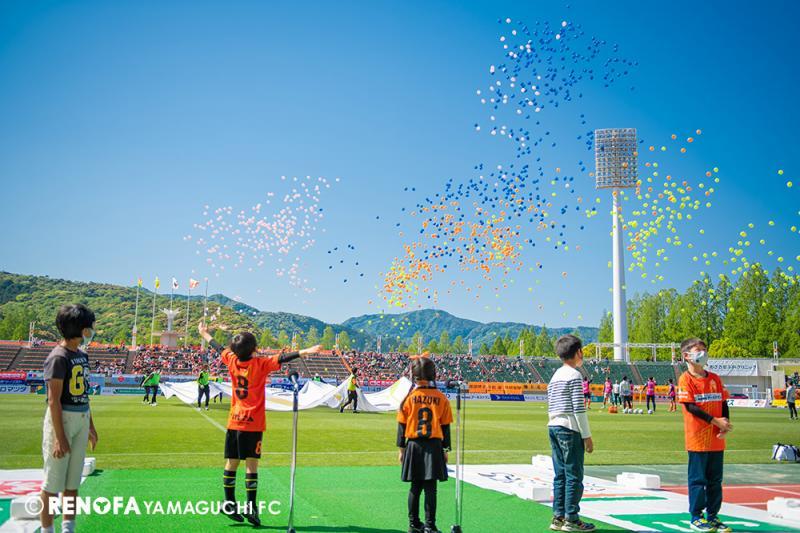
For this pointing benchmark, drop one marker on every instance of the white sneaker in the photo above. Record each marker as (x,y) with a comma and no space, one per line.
(153,404)
(206,408)
(196,408)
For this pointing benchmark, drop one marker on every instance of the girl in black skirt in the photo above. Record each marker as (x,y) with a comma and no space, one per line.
(423,436)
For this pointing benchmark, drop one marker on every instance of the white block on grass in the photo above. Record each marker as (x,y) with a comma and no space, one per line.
(89,465)
(785,509)
(26,507)
(542,461)
(634,480)
(541,494)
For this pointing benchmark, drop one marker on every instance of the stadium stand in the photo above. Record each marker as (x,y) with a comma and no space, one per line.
(660,371)
(512,369)
(8,353)
(325,364)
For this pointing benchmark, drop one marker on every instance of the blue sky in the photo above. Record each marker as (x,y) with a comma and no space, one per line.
(121,120)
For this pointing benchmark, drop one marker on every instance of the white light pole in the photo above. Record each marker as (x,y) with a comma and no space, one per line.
(616,169)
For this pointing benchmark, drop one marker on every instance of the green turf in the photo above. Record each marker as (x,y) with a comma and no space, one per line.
(174,435)
(353,499)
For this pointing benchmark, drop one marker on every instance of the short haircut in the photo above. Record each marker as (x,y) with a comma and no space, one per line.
(243,345)
(567,346)
(71,320)
(690,343)
(423,369)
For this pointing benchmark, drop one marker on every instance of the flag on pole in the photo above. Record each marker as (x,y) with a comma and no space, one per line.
(139,282)
(193,283)
(158,282)
(174,284)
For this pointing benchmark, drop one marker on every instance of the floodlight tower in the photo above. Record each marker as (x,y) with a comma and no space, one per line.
(615,155)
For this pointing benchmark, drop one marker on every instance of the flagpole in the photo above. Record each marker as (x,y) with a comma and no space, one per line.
(205,313)
(186,337)
(153,323)
(135,314)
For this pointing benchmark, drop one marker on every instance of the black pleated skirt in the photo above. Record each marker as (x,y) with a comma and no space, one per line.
(424,460)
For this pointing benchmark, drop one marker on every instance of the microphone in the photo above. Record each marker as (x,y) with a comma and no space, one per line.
(293,377)
(453,384)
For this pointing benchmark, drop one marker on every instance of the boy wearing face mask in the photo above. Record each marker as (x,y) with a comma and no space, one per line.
(706,423)
(68,424)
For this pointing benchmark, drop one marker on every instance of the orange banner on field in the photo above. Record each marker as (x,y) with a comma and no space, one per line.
(478,387)
(491,387)
(512,388)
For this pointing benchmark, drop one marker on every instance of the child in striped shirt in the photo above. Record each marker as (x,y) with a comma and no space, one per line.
(570,436)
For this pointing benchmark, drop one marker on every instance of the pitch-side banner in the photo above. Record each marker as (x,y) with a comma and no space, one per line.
(312,394)
(733,367)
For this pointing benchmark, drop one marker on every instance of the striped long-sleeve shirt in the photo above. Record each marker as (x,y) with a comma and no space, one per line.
(565,401)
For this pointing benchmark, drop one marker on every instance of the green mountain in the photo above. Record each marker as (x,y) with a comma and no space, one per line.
(25,299)
(430,323)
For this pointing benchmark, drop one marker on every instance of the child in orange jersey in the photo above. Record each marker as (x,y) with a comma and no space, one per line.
(705,422)
(423,436)
(246,421)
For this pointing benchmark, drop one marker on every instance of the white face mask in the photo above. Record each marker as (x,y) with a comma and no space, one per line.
(698,358)
(88,339)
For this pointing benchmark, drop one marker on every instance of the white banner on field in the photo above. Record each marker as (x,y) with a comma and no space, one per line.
(312,394)
(733,367)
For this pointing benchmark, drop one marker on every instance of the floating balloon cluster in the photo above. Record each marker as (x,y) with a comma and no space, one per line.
(543,66)
(486,223)
(281,225)
(663,207)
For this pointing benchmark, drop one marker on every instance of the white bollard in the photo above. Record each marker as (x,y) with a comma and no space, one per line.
(543,461)
(22,507)
(89,465)
(785,509)
(541,494)
(634,480)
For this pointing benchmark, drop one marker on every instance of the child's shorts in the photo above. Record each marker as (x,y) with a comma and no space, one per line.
(424,461)
(242,444)
(64,473)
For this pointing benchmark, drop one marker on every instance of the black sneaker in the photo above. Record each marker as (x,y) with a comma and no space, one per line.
(236,517)
(253,519)
(431,529)
(578,525)
(557,522)
(416,528)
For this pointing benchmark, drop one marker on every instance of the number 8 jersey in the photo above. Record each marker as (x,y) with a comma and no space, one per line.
(424,411)
(247,390)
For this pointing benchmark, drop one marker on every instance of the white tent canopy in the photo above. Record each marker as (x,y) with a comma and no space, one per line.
(312,394)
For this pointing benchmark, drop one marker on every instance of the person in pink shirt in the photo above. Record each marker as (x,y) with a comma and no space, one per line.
(650,392)
(607,393)
(671,395)
(587,394)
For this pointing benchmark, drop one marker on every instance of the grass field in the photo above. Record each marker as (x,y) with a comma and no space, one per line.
(174,435)
(348,477)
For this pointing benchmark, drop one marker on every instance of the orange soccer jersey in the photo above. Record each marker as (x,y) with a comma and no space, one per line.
(424,411)
(708,393)
(247,383)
